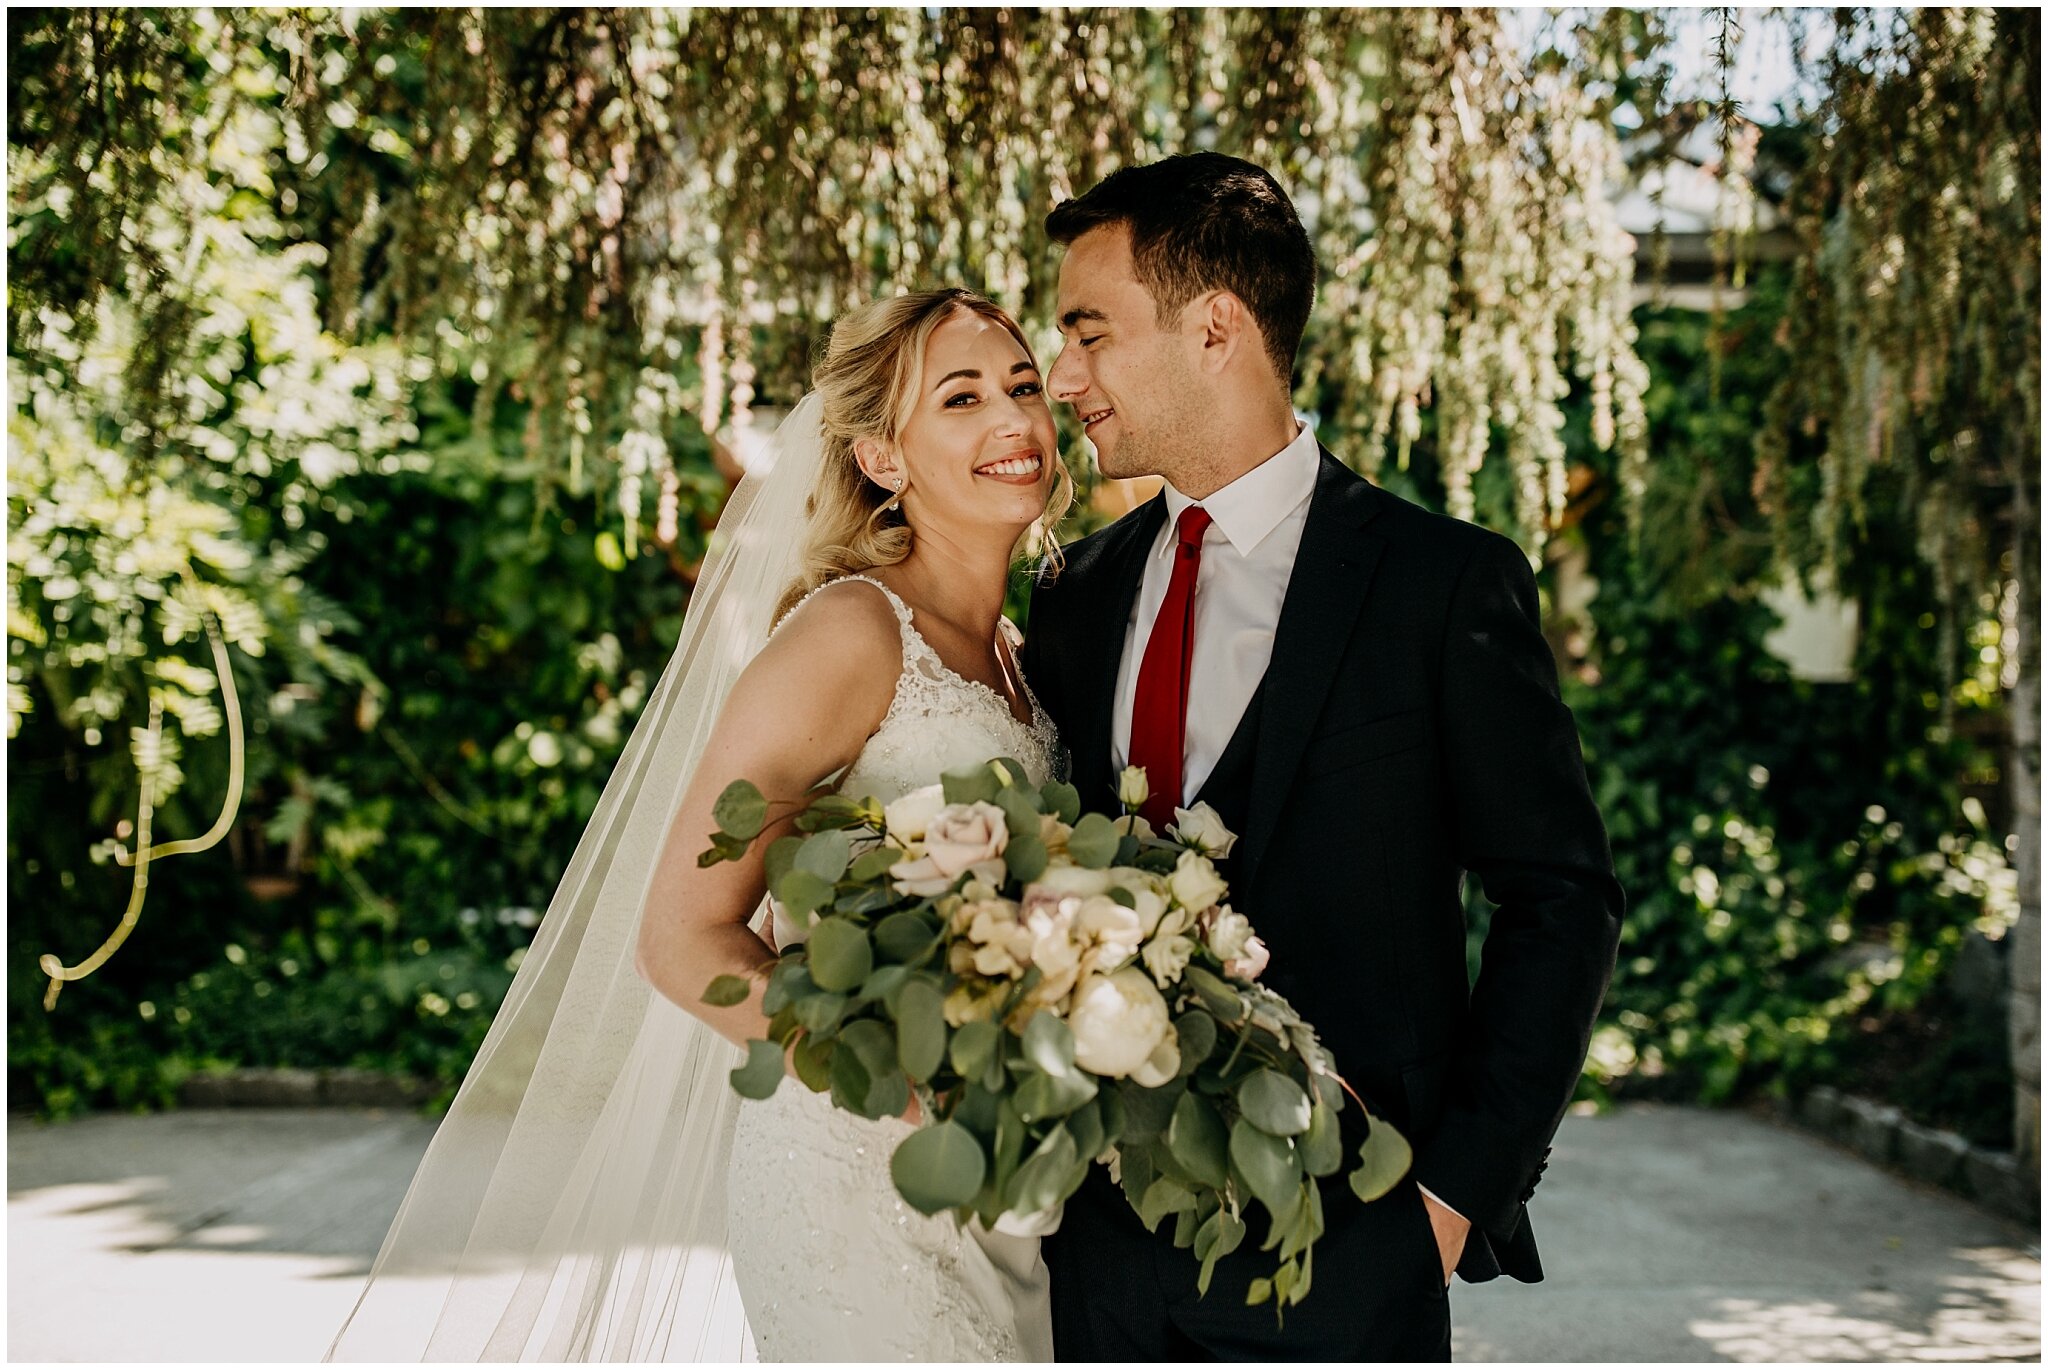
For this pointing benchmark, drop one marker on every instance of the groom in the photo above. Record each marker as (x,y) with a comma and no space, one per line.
(1361,688)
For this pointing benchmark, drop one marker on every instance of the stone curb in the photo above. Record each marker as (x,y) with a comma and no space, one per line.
(1881,1133)
(286,1087)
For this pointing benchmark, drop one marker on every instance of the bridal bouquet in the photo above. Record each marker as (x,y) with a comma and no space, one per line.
(1056,988)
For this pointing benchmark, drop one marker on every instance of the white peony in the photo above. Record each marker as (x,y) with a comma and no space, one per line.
(1195,883)
(1114,930)
(1201,829)
(909,817)
(1118,1022)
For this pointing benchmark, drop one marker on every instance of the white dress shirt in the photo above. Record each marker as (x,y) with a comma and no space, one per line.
(1247,559)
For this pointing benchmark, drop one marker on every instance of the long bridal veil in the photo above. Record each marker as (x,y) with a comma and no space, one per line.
(572,1203)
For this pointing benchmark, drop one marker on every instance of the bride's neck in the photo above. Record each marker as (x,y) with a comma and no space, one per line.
(963,583)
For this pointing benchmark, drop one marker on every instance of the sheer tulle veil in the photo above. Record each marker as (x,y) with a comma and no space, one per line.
(572,1203)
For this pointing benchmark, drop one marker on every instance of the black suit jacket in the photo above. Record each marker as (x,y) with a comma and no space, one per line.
(1411,730)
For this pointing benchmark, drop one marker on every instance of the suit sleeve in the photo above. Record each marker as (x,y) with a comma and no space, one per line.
(1523,821)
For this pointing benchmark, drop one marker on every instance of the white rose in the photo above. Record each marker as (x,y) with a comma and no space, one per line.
(1132,789)
(1249,964)
(1061,880)
(1195,883)
(909,817)
(1166,957)
(1118,1022)
(960,836)
(1202,829)
(1229,934)
(921,878)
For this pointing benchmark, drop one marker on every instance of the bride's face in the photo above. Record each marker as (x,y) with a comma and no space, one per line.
(979,447)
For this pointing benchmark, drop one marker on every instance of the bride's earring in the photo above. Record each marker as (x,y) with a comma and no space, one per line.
(896,498)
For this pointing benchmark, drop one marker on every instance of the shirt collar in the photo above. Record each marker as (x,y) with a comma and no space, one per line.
(1254,504)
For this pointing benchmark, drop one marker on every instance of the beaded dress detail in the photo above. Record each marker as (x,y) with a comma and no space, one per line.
(831,1263)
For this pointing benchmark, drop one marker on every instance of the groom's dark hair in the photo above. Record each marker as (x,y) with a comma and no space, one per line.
(1204,221)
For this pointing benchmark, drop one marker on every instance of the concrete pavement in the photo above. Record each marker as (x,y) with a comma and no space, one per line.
(1669,1234)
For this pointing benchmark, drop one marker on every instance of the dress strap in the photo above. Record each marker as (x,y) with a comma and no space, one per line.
(917,653)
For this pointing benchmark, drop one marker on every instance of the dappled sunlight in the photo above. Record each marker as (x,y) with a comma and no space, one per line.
(1990,1312)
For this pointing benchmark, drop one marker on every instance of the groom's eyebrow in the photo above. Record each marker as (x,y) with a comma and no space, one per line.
(1074,316)
(969,373)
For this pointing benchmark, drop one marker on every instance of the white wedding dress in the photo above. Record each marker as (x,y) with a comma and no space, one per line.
(831,1263)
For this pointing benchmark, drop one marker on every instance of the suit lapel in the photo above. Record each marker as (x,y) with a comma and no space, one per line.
(1332,574)
(1112,590)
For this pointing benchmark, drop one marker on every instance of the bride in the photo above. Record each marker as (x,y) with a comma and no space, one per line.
(597,1190)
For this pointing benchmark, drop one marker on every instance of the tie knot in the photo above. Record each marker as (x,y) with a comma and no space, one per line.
(1194,521)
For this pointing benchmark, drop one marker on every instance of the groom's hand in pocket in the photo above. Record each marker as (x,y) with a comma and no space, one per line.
(1451,1231)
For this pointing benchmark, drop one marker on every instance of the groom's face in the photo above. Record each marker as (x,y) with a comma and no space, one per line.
(1128,378)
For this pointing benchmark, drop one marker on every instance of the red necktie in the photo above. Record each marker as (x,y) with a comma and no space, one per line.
(1159,717)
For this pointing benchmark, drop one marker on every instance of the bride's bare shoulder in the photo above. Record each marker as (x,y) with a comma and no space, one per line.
(846,633)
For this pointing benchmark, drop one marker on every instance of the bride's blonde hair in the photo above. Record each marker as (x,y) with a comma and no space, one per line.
(867,381)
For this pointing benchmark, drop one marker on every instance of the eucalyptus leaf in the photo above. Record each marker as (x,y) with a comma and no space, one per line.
(801,893)
(727,990)
(1197,1033)
(820,1011)
(905,936)
(920,1029)
(1061,800)
(1021,813)
(741,810)
(1268,1164)
(1135,1173)
(872,1042)
(1038,1182)
(1198,1141)
(1093,842)
(875,863)
(1085,1123)
(1049,1044)
(1147,1111)
(762,1072)
(781,858)
(826,854)
(882,982)
(839,953)
(851,1081)
(1383,1158)
(974,1045)
(1163,1197)
(1040,1096)
(813,1061)
(976,785)
(1025,857)
(888,1095)
(1273,1103)
(1322,1148)
(1223,999)
(938,1167)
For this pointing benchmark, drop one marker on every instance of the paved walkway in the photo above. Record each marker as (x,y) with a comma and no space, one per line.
(1670,1234)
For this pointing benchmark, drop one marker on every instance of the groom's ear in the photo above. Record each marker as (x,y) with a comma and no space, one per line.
(1226,329)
